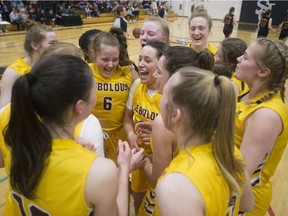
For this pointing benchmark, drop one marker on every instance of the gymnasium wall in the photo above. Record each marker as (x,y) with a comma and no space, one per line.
(245,11)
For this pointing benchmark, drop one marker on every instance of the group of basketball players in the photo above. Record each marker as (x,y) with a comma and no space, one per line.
(197,139)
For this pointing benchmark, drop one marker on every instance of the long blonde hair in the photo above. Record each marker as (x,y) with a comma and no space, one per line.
(210,104)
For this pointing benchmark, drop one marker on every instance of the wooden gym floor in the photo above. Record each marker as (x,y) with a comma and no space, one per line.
(11,48)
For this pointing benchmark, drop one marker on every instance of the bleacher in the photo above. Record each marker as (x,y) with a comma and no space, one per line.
(103,18)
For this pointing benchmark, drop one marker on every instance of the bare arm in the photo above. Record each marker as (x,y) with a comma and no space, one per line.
(134,73)
(176,196)
(102,187)
(247,198)
(8,79)
(259,136)
(123,161)
(270,25)
(129,128)
(163,140)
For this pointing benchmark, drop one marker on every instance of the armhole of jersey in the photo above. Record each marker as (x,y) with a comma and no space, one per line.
(129,103)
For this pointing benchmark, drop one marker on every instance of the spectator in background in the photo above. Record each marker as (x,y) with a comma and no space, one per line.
(24,14)
(50,17)
(95,10)
(154,8)
(58,18)
(136,9)
(5,13)
(2,26)
(163,10)
(16,18)
(87,10)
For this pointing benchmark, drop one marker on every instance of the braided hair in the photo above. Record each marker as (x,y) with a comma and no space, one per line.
(275,58)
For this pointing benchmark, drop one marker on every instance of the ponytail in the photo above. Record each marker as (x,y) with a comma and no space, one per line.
(224,141)
(30,143)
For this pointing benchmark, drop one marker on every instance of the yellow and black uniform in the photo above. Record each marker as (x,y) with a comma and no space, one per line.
(241,85)
(112,94)
(263,27)
(211,48)
(4,119)
(145,108)
(199,165)
(148,203)
(61,190)
(284,30)
(21,67)
(260,180)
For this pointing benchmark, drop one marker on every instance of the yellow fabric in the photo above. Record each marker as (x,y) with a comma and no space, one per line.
(4,119)
(111,143)
(20,66)
(261,178)
(112,94)
(148,203)
(145,108)
(239,84)
(211,48)
(61,190)
(201,168)
(77,130)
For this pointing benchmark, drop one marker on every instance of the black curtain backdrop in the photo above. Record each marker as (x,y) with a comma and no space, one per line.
(249,8)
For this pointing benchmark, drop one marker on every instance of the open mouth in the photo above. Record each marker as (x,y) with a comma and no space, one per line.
(143,74)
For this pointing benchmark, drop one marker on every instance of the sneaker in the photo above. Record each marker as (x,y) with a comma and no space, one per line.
(6,30)
(1,31)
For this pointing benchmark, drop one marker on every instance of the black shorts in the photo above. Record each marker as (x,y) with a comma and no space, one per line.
(283,34)
(227,30)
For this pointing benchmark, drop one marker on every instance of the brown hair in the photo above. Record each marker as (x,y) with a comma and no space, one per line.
(273,56)
(36,34)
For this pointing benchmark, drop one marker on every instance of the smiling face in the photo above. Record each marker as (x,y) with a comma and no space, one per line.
(147,66)
(107,60)
(199,32)
(151,31)
(161,75)
(247,68)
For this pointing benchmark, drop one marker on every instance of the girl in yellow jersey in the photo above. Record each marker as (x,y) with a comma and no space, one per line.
(154,28)
(50,174)
(113,85)
(38,38)
(262,116)
(200,25)
(164,146)
(143,105)
(207,177)
(228,52)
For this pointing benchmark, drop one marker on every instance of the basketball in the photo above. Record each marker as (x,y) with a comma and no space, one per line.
(136,32)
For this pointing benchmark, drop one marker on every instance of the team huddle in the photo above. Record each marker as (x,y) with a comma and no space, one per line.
(182,130)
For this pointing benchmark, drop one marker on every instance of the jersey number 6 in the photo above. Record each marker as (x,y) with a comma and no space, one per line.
(107,103)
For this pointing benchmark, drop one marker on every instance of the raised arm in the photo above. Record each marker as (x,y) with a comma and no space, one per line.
(163,141)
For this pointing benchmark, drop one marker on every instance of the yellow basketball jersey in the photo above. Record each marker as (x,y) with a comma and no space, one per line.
(211,48)
(4,119)
(20,66)
(241,86)
(261,177)
(112,94)
(61,190)
(199,165)
(145,108)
